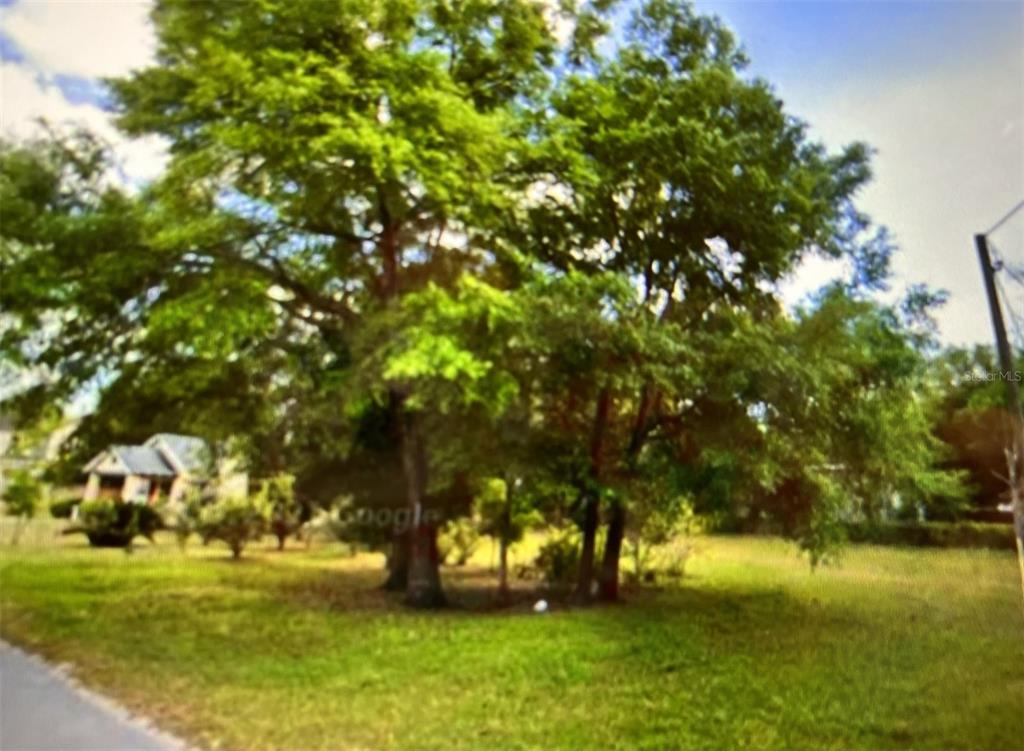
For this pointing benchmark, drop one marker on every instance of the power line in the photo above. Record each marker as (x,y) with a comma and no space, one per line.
(1001,222)
(1015,320)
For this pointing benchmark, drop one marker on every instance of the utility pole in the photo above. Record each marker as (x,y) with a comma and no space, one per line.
(1002,343)
(1009,379)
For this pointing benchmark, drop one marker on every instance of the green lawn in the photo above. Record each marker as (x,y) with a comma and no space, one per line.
(894,648)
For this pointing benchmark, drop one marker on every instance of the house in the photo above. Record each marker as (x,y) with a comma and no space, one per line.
(167,465)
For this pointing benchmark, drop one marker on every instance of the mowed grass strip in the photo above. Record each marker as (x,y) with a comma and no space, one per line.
(893,648)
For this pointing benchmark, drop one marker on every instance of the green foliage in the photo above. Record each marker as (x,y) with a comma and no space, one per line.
(437,215)
(558,558)
(285,510)
(659,534)
(458,540)
(182,517)
(505,514)
(967,396)
(22,496)
(934,534)
(115,524)
(834,423)
(64,508)
(235,521)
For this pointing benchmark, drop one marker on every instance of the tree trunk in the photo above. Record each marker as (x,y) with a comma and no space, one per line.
(590,498)
(503,540)
(585,581)
(608,589)
(503,569)
(398,563)
(423,589)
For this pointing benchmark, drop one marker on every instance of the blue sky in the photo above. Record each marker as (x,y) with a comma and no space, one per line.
(936,87)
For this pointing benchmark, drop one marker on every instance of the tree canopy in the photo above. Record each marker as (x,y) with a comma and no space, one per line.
(405,249)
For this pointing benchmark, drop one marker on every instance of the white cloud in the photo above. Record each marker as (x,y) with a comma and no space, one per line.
(83,39)
(26,96)
(87,39)
(813,273)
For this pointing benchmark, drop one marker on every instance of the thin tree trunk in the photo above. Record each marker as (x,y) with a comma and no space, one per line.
(590,497)
(503,537)
(424,585)
(503,570)
(608,587)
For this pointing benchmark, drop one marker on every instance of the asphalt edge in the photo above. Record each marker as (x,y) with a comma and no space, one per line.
(63,673)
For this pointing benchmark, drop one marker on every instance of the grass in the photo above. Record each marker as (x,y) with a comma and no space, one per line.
(894,648)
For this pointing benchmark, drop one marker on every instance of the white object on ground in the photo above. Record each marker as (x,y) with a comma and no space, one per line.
(541,606)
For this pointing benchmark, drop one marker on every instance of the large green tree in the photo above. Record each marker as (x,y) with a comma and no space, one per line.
(326,159)
(430,238)
(661,160)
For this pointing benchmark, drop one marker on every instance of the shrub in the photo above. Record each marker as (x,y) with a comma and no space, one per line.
(182,517)
(934,534)
(115,524)
(285,510)
(21,499)
(458,540)
(235,521)
(323,524)
(63,509)
(673,562)
(559,557)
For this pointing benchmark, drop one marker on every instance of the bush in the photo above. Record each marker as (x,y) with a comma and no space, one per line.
(21,498)
(235,521)
(286,511)
(182,517)
(115,524)
(650,529)
(934,534)
(458,540)
(559,558)
(64,509)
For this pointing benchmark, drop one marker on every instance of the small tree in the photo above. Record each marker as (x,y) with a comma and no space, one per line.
(21,498)
(654,523)
(285,510)
(235,521)
(505,514)
(182,517)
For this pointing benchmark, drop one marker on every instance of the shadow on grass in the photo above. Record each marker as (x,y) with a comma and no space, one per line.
(473,590)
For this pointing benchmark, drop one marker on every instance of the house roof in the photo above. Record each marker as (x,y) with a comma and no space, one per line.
(185,453)
(143,460)
(163,455)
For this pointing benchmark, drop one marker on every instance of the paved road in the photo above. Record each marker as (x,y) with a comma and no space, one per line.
(40,711)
